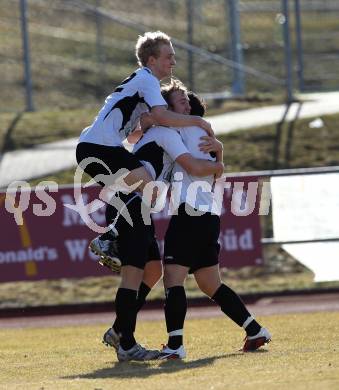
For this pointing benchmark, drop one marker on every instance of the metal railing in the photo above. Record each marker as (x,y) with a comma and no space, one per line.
(284,173)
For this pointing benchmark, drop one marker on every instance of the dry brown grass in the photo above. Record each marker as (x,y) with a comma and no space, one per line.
(303,355)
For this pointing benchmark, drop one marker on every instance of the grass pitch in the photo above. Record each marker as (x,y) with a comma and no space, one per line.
(304,354)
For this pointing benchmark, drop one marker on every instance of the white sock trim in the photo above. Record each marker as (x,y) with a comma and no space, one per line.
(178,332)
(247,322)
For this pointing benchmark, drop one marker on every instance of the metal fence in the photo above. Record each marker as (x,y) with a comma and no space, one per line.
(71,53)
(265,194)
(319,40)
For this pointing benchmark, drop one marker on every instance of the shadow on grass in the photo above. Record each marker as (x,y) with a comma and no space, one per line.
(147,369)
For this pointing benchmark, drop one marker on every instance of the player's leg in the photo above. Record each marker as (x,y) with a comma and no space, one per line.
(152,271)
(103,164)
(175,310)
(105,245)
(126,304)
(138,247)
(179,241)
(208,280)
(138,176)
(151,275)
(126,312)
(133,244)
(109,164)
(153,268)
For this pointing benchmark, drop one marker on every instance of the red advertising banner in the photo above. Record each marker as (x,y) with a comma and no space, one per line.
(41,238)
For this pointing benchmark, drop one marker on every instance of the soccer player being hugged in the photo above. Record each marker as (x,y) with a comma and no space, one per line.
(191,241)
(158,149)
(100,153)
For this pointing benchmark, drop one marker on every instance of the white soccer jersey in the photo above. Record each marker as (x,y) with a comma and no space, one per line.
(122,109)
(158,148)
(196,191)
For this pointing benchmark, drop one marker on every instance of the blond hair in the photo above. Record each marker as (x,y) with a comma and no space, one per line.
(174,86)
(149,45)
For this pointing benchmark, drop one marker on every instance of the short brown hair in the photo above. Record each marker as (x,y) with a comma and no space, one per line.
(173,86)
(149,45)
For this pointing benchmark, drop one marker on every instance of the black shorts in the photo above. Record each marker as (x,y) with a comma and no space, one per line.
(192,241)
(114,157)
(137,243)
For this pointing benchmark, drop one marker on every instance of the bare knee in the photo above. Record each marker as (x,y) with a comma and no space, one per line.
(138,175)
(153,273)
(174,275)
(170,279)
(208,280)
(131,277)
(207,288)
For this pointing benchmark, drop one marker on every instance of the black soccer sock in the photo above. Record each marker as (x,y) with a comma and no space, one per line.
(141,298)
(251,326)
(175,313)
(143,291)
(125,307)
(232,305)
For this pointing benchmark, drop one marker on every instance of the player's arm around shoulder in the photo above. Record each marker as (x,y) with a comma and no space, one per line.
(199,167)
(162,116)
(173,144)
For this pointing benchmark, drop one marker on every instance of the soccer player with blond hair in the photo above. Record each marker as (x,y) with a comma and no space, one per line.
(101,154)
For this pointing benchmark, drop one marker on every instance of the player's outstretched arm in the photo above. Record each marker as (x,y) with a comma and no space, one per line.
(164,117)
(198,167)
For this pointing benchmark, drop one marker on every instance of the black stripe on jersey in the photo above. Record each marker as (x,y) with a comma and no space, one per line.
(127,79)
(126,105)
(154,154)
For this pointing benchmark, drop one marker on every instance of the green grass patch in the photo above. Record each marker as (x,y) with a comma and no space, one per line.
(303,355)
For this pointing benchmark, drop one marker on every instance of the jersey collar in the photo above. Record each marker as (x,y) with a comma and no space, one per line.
(147,69)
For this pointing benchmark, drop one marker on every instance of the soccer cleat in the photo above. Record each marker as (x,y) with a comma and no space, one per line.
(108,252)
(137,353)
(111,339)
(252,343)
(113,264)
(169,354)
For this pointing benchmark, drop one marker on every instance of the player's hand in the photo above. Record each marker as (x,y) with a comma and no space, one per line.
(146,121)
(206,126)
(219,170)
(210,144)
(135,136)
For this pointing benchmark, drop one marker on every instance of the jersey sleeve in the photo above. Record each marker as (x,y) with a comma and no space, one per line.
(150,91)
(172,143)
(191,139)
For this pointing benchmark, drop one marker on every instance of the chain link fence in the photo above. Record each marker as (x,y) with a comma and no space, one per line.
(79,50)
(319,52)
